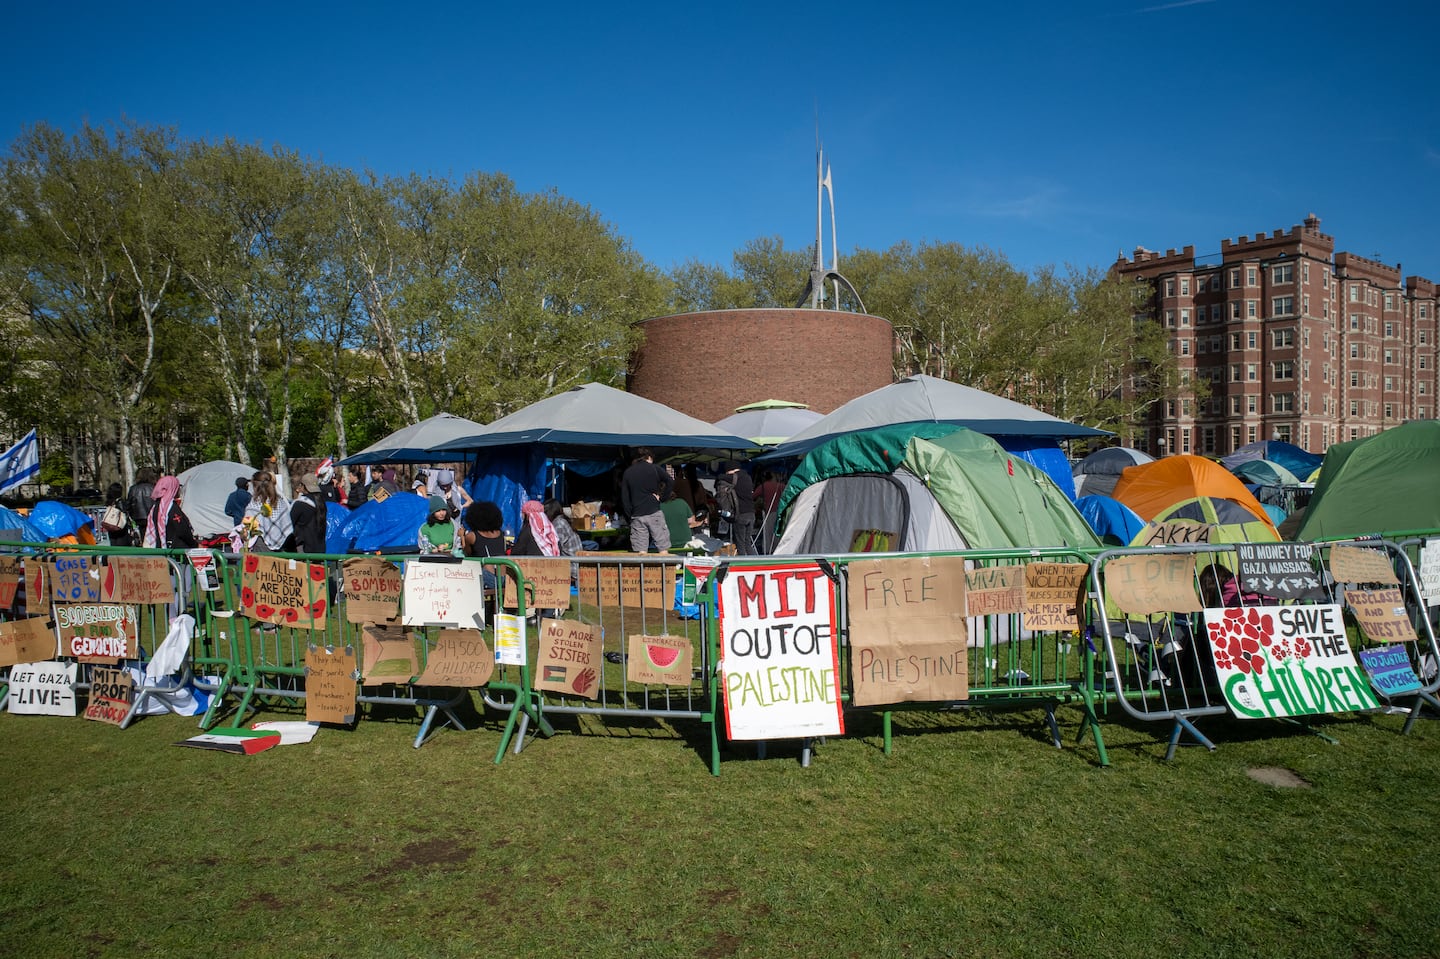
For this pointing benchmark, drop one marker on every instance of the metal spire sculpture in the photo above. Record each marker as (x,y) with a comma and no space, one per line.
(819,274)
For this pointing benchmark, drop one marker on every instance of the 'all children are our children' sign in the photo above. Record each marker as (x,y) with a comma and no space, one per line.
(1275,661)
(778,658)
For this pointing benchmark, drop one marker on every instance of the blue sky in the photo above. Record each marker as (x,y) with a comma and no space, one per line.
(1053,132)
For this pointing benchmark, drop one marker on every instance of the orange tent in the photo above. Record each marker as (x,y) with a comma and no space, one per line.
(1150,488)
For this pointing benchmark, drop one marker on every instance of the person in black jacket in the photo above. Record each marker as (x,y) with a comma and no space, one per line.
(307,516)
(139,498)
(643,487)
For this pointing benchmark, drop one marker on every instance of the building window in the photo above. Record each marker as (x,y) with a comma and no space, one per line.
(1354,408)
(1282,338)
(1305,303)
(1250,276)
(1207,438)
(1389,327)
(1354,292)
(1282,306)
(1184,318)
(1252,372)
(1424,337)
(1235,310)
(1389,383)
(1170,319)
(1234,341)
(1234,372)
(1200,344)
(1422,362)
(1305,271)
(1252,403)
(1252,308)
(1284,369)
(1216,342)
(1355,322)
(1282,432)
(1389,302)
(1354,379)
(1234,279)
(1282,402)
(1389,356)
(1184,347)
(1252,340)
(1421,388)
(1184,286)
(1234,438)
(1250,434)
(1354,351)
(1282,273)
(1389,411)
(1169,287)
(1235,405)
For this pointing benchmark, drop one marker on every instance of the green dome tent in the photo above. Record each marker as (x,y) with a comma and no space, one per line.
(923,487)
(1387,483)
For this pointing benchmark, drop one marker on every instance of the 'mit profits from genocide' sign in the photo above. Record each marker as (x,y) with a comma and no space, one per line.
(778,658)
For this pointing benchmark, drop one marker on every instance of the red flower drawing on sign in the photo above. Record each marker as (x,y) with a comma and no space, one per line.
(1303,649)
(1237,639)
(252,562)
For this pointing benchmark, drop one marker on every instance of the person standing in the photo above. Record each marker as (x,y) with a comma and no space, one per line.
(307,516)
(270,511)
(238,500)
(358,491)
(643,487)
(743,523)
(325,475)
(140,497)
(167,526)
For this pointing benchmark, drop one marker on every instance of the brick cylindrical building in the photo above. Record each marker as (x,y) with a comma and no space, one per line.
(706,364)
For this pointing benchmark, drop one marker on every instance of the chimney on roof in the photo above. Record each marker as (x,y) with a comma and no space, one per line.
(1312,223)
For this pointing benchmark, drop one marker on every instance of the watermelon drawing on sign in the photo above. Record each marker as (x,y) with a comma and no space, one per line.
(661,657)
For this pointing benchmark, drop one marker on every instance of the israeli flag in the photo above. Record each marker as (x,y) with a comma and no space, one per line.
(20,463)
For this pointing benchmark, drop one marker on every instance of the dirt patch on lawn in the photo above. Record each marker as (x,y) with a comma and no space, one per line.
(1278,776)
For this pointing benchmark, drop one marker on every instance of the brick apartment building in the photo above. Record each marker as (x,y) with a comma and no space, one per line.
(1294,341)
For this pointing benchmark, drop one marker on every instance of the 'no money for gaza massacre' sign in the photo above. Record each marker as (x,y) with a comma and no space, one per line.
(777,659)
(1275,661)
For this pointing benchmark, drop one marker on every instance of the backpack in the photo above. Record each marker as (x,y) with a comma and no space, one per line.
(725,499)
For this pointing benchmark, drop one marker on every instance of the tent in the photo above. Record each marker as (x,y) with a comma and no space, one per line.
(29,533)
(927,399)
(412,444)
(1149,489)
(1115,523)
(1288,455)
(769,422)
(1097,473)
(389,524)
(1386,483)
(55,520)
(1265,473)
(205,488)
(588,426)
(1228,521)
(922,487)
(336,516)
(1047,456)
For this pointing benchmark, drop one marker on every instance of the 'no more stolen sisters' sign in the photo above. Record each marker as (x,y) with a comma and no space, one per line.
(1275,661)
(777,656)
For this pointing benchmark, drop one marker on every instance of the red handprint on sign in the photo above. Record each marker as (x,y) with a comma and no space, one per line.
(583,681)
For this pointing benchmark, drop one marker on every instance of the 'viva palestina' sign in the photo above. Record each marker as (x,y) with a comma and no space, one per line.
(1275,661)
(778,659)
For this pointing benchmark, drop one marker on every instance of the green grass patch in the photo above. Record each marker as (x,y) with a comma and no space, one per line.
(611,839)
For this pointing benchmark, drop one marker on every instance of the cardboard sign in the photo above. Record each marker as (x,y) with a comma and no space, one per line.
(37,585)
(444,594)
(1280,570)
(509,639)
(1174,532)
(1429,572)
(137,579)
(373,587)
(388,654)
(569,658)
(907,630)
(459,658)
(1390,671)
(1159,583)
(329,685)
(74,579)
(111,693)
(10,569)
(98,632)
(43,689)
(995,591)
(285,592)
(778,660)
(1381,615)
(29,640)
(1360,564)
(548,578)
(1052,595)
(633,585)
(1275,661)
(660,660)
(873,541)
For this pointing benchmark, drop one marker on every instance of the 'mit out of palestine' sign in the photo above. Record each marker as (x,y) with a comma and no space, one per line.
(1275,661)
(777,658)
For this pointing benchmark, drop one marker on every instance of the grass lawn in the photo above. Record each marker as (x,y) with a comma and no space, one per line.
(975,839)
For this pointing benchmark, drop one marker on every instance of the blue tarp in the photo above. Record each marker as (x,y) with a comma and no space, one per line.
(29,533)
(1115,523)
(1046,456)
(507,477)
(336,516)
(57,519)
(393,523)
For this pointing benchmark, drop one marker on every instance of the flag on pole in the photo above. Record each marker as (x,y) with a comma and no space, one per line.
(327,463)
(20,463)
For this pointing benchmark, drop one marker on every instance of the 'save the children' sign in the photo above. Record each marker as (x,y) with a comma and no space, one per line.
(778,659)
(1275,661)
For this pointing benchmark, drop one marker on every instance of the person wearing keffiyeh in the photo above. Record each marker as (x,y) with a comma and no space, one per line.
(167,526)
(538,538)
